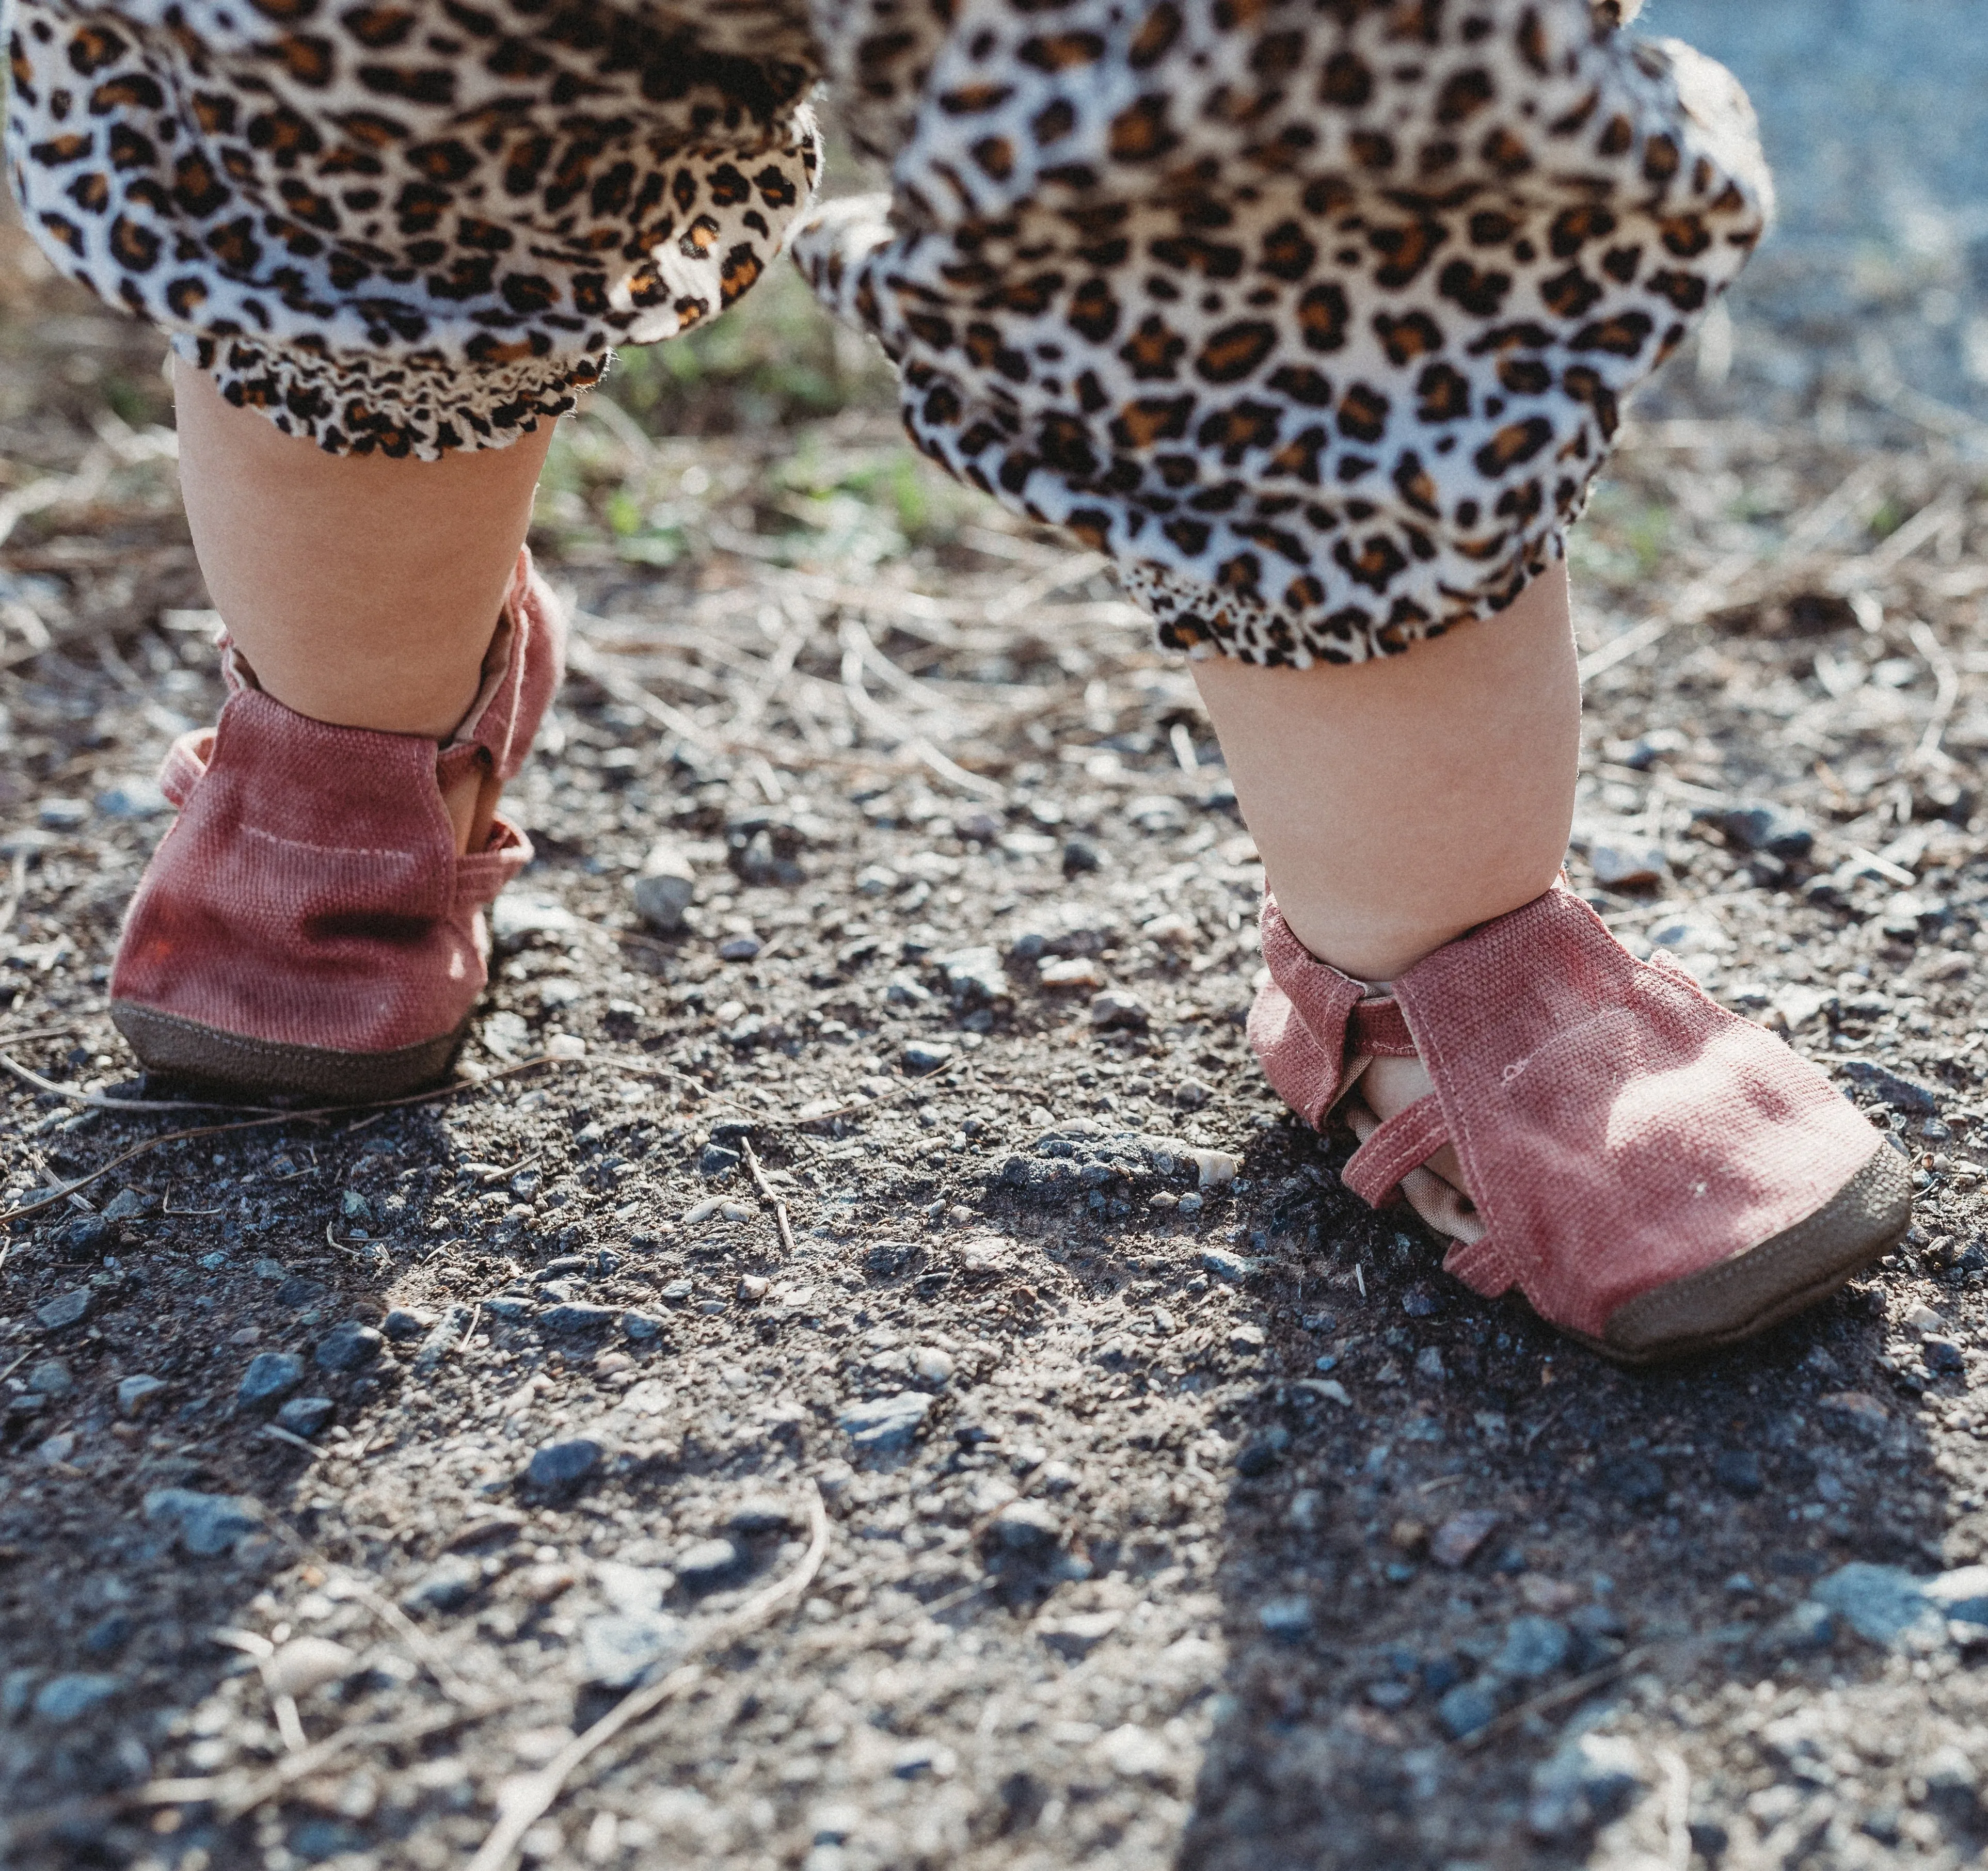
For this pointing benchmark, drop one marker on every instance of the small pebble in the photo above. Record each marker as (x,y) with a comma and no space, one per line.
(400,1325)
(270,1375)
(665,889)
(1458,1539)
(349,1347)
(923,1056)
(707,1564)
(562,1465)
(305,1415)
(1026,1526)
(305,1664)
(137,1394)
(67,1309)
(1116,1010)
(64,1699)
(50,1378)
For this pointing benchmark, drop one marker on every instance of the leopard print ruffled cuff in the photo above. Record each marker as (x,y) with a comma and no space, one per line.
(1317,318)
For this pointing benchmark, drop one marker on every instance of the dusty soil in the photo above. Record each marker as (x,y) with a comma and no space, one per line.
(1176,1508)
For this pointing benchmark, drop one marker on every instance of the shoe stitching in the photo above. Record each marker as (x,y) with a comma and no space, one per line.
(299,844)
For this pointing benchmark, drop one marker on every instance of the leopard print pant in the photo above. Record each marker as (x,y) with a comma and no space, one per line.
(1316,316)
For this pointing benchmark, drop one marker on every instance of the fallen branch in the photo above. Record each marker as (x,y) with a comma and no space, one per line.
(526,1805)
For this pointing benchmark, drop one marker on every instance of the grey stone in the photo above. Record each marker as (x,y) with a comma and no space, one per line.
(299,1291)
(134,799)
(1074,1638)
(1466,1709)
(270,1375)
(137,1394)
(1808,1626)
(1534,1646)
(65,1310)
(578,1316)
(1116,1010)
(509,1306)
(305,1415)
(886,1422)
(1910,1095)
(128,1205)
(515,920)
(1080,856)
(64,1699)
(63,815)
(401,1325)
(561,1465)
(922,1056)
(708,1563)
(1234,1267)
(738,948)
(89,1236)
(305,1664)
(1942,1355)
(1626,863)
(51,1378)
(665,889)
(447,1585)
(618,1649)
(1767,827)
(1888,1605)
(205,1524)
(1457,1540)
(444,1335)
(1287,1618)
(641,1327)
(1583,1784)
(1026,1526)
(760,1514)
(974,977)
(349,1347)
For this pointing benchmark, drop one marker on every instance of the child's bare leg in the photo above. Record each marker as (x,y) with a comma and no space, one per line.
(1398,802)
(362,591)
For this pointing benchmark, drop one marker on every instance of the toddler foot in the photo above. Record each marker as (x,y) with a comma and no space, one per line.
(1656,1175)
(313,922)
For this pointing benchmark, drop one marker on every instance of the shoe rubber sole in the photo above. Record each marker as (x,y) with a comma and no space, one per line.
(182,1048)
(1785,1275)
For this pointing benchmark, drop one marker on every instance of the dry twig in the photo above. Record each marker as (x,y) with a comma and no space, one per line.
(767,1196)
(50,1198)
(536,1795)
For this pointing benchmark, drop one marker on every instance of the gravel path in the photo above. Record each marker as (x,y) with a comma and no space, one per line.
(893,1321)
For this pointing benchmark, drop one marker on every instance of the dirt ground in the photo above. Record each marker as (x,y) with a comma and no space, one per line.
(885,1323)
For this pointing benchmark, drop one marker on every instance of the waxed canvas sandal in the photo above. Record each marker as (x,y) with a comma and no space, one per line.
(306,925)
(1656,1175)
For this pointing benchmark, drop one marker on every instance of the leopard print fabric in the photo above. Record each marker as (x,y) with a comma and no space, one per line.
(1316,316)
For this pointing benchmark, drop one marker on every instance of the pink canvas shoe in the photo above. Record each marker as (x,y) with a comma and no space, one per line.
(306,925)
(1655,1174)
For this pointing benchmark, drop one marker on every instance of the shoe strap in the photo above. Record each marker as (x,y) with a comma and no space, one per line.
(185,762)
(1405,1142)
(1378,1029)
(480,875)
(1481,1266)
